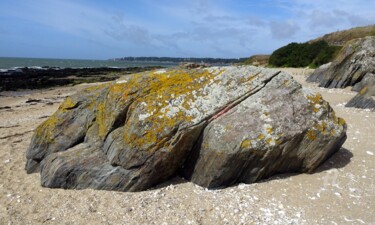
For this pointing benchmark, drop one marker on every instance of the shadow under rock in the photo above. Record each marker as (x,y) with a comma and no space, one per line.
(338,160)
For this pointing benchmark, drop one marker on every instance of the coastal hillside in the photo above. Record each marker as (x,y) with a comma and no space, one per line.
(257,60)
(312,53)
(339,38)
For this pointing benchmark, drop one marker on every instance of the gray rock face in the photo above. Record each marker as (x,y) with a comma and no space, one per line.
(368,80)
(355,66)
(215,126)
(317,75)
(354,63)
(272,131)
(364,99)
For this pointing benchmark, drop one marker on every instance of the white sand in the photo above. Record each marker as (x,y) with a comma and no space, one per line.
(342,191)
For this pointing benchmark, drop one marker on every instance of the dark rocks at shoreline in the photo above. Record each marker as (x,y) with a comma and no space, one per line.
(214,126)
(45,77)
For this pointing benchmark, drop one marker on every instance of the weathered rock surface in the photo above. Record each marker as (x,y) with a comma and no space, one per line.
(355,62)
(355,66)
(215,126)
(317,75)
(364,99)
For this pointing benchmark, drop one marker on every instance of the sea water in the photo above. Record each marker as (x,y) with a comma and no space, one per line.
(13,63)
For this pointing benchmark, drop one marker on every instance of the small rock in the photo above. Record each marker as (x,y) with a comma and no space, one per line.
(31,100)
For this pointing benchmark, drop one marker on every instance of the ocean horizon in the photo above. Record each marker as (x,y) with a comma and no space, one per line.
(9,63)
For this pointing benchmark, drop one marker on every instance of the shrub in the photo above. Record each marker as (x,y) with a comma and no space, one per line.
(303,54)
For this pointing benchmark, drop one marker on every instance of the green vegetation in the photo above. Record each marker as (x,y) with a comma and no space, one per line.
(257,60)
(303,54)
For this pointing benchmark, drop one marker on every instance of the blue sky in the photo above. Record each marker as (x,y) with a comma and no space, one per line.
(102,29)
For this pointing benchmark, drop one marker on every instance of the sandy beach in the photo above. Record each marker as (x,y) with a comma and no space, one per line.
(341,191)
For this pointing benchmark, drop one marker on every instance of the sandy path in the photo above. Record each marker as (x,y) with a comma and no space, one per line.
(342,191)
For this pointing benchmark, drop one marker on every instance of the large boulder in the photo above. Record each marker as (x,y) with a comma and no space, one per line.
(215,126)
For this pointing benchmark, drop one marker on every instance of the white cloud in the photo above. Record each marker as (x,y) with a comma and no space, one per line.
(284,29)
(219,28)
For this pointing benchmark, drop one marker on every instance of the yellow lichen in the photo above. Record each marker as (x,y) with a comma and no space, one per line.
(101,119)
(68,103)
(246,144)
(46,131)
(155,93)
(249,78)
(315,99)
(269,141)
(311,134)
(363,90)
(285,82)
(341,121)
(321,127)
(269,130)
(338,120)
(261,137)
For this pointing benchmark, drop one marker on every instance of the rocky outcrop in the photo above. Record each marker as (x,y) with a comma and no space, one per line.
(355,62)
(355,66)
(215,126)
(368,80)
(317,75)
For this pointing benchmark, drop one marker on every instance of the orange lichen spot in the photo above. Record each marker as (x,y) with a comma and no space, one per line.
(68,104)
(96,87)
(315,99)
(338,120)
(269,141)
(321,127)
(363,90)
(101,119)
(249,78)
(246,144)
(341,121)
(269,130)
(311,134)
(46,129)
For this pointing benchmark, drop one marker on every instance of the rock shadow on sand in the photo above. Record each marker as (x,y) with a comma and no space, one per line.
(338,160)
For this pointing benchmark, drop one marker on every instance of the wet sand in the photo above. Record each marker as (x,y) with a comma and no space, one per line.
(341,191)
